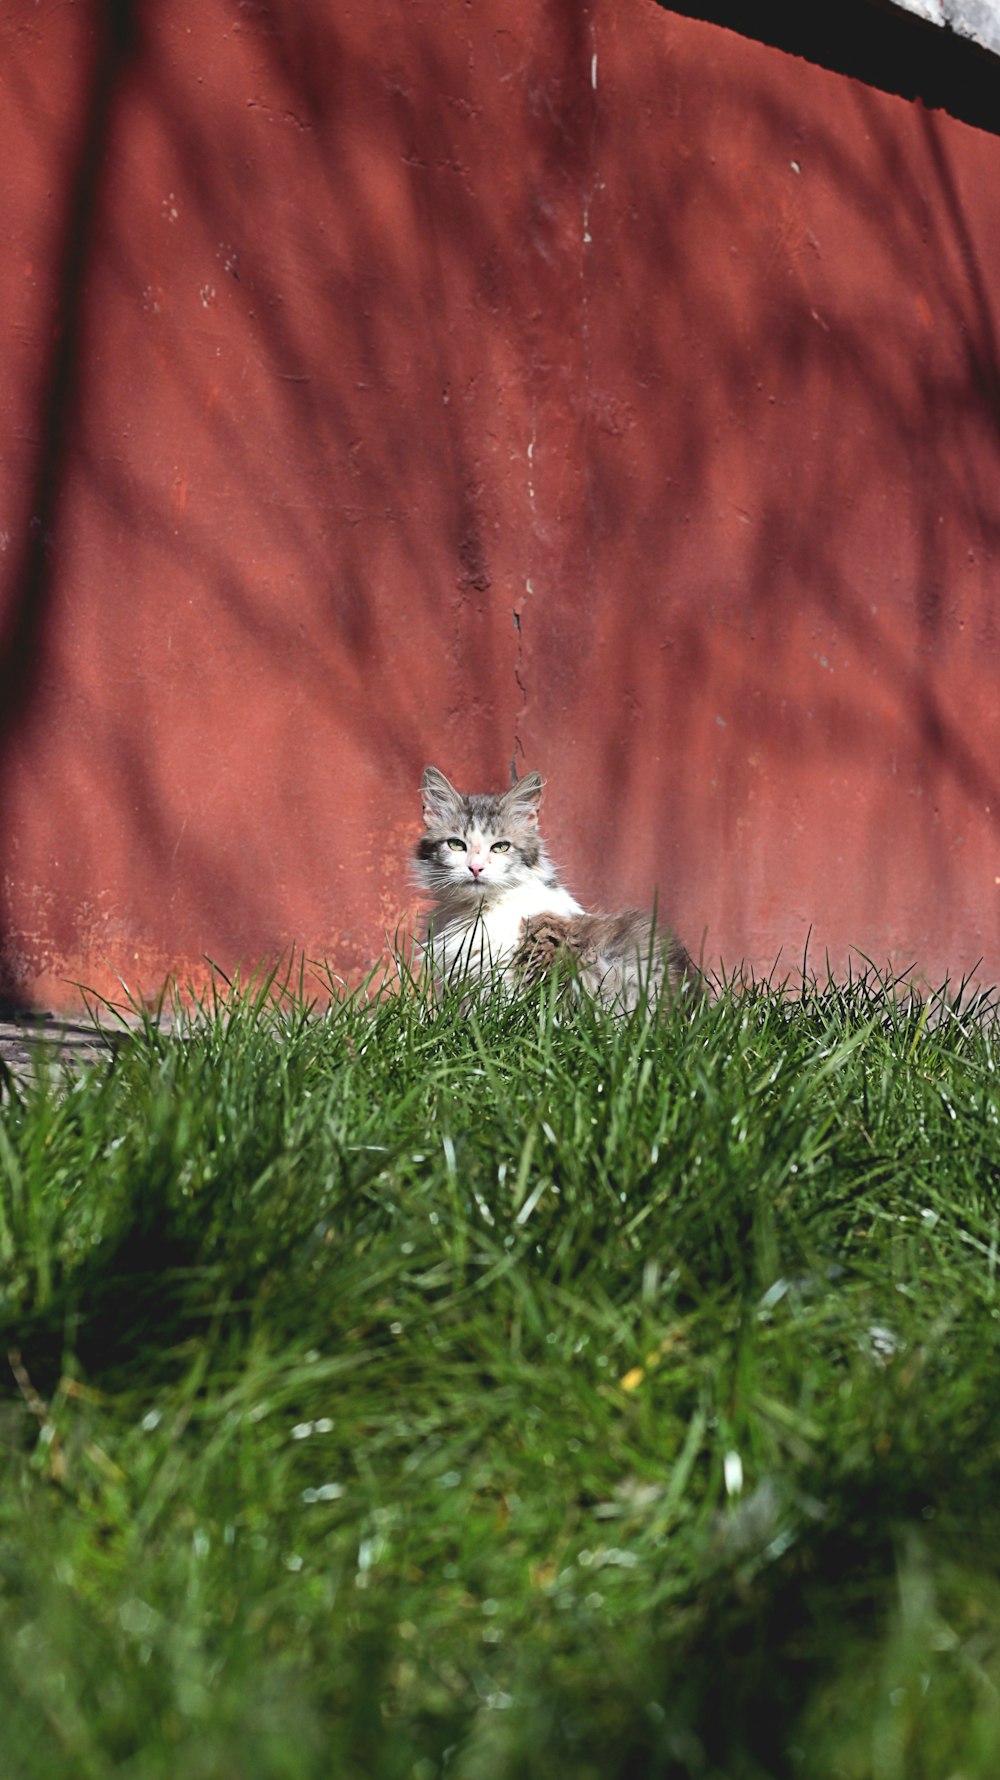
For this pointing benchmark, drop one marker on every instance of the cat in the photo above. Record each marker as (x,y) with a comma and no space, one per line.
(616,959)
(483,862)
(500,910)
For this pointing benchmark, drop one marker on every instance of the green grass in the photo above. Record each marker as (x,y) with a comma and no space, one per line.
(504,1394)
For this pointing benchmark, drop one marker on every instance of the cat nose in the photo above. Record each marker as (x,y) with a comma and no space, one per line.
(474,868)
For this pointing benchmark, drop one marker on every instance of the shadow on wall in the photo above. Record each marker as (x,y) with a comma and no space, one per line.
(598,387)
(48,402)
(819,481)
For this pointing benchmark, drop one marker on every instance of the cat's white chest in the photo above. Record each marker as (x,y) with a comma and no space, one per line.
(487,941)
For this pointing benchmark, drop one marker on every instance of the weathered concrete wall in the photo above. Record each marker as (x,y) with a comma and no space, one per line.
(573,382)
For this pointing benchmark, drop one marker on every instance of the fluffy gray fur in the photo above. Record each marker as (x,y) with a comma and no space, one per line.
(483,863)
(617,959)
(499,909)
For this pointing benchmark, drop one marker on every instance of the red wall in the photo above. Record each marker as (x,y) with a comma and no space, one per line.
(421,381)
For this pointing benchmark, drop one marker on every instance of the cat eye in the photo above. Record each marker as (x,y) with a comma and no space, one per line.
(456,845)
(500,847)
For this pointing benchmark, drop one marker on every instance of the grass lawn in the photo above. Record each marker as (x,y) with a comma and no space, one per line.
(506,1394)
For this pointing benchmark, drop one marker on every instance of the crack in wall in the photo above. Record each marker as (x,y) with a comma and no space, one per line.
(589,188)
(518,612)
(519,672)
(592,186)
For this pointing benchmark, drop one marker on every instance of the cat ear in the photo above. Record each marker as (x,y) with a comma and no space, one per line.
(438,798)
(524,798)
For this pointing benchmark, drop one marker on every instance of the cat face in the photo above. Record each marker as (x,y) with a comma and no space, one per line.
(478,847)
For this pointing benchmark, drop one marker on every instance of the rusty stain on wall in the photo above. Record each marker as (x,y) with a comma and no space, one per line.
(583,385)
